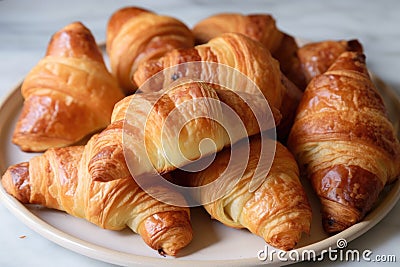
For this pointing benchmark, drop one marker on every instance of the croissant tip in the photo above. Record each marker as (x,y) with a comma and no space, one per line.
(16,181)
(74,40)
(334,222)
(75,25)
(161,252)
(332,226)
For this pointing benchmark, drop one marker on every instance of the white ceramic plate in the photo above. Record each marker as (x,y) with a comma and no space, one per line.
(213,244)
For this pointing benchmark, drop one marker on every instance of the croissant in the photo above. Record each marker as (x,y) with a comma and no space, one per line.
(135,35)
(161,131)
(68,94)
(59,179)
(259,27)
(316,57)
(241,53)
(344,141)
(235,50)
(278,210)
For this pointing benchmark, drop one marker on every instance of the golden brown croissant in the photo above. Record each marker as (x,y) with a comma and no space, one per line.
(68,94)
(243,54)
(344,141)
(278,210)
(161,131)
(135,35)
(59,179)
(232,49)
(259,27)
(315,58)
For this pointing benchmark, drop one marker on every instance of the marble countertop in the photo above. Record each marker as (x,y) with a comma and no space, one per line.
(26,27)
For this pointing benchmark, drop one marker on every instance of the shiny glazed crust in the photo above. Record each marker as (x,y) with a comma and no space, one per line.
(344,141)
(68,94)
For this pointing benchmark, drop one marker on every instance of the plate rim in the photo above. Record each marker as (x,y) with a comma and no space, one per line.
(108,255)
